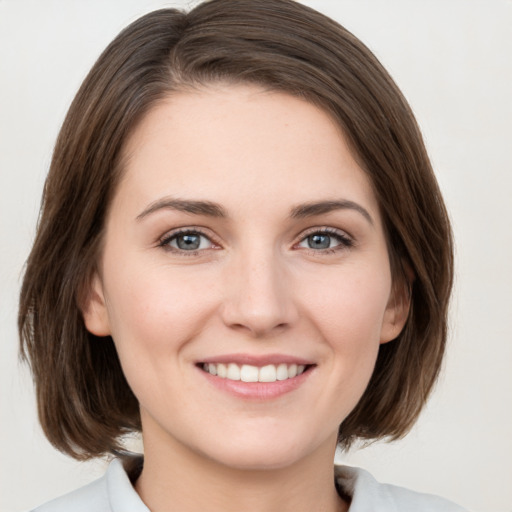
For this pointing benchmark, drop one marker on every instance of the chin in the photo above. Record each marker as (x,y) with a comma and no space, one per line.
(263,453)
(258,459)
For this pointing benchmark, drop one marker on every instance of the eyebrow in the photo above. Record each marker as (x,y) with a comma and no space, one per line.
(212,209)
(321,207)
(194,207)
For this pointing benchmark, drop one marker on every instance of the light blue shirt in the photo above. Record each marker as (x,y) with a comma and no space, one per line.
(115,493)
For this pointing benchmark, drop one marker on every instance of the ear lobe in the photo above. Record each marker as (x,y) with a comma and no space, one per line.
(94,309)
(397,310)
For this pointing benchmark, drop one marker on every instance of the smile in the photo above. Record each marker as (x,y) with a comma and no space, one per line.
(250,373)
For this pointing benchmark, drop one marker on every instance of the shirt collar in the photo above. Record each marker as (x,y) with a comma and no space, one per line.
(358,484)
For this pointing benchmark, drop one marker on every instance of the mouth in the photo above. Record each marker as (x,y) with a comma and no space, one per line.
(256,377)
(250,373)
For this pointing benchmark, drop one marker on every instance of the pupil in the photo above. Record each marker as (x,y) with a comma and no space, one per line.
(319,241)
(188,242)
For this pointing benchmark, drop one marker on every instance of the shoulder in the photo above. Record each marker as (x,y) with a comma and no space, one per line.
(368,494)
(111,493)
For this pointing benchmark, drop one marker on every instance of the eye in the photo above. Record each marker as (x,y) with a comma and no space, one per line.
(323,240)
(188,241)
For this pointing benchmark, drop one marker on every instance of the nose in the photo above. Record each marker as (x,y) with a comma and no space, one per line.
(259,295)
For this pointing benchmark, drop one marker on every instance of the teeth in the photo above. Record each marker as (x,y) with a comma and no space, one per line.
(233,372)
(249,373)
(282,372)
(267,373)
(222,370)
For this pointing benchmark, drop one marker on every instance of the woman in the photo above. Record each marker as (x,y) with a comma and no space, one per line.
(242,253)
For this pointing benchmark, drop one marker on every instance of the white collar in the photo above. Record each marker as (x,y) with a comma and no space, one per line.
(366,493)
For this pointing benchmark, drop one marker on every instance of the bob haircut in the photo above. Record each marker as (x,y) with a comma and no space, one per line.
(84,402)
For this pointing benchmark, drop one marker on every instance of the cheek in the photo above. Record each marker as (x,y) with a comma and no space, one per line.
(351,304)
(154,315)
(154,312)
(348,309)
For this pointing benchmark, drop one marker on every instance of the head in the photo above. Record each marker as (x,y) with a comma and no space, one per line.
(85,402)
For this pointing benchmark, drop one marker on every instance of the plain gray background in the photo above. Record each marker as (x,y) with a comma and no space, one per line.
(453,61)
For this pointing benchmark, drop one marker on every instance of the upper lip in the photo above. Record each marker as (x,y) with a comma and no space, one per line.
(257,360)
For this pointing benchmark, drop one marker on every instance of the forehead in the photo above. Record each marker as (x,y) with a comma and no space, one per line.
(238,143)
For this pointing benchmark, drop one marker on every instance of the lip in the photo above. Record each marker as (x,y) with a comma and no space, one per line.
(257,360)
(257,391)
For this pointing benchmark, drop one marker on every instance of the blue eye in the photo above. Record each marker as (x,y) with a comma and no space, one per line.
(187,241)
(322,240)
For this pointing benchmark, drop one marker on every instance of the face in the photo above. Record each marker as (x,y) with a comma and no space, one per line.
(244,278)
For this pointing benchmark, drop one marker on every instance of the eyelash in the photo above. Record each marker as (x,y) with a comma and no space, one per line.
(169,237)
(345,241)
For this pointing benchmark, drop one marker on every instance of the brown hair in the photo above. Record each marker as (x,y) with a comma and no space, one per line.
(85,404)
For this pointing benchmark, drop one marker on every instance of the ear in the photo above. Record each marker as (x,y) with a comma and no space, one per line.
(94,309)
(398,307)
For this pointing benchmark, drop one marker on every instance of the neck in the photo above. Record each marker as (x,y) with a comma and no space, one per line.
(174,477)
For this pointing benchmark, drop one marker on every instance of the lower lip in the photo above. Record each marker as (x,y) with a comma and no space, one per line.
(257,390)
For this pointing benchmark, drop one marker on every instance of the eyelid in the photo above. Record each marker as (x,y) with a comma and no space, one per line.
(330,230)
(163,241)
(347,241)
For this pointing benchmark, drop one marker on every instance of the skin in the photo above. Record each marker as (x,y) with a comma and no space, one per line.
(254,287)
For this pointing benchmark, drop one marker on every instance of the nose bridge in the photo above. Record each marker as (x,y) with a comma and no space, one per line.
(259,294)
